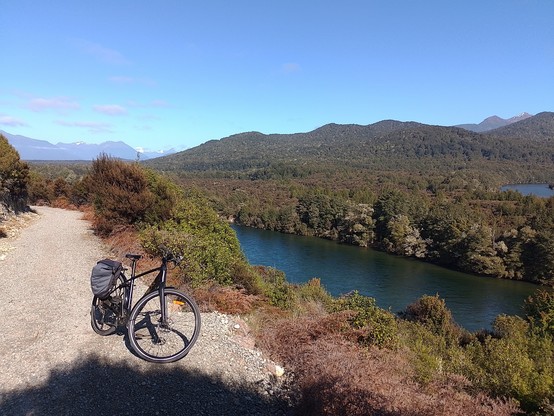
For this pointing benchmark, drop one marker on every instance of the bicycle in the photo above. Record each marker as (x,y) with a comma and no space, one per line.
(161,327)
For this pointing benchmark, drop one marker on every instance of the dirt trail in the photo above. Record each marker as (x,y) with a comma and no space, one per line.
(52,363)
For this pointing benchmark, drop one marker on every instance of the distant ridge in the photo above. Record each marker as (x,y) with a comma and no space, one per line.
(329,142)
(493,122)
(386,145)
(539,128)
(32,149)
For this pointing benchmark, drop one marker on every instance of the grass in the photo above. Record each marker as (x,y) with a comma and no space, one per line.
(336,376)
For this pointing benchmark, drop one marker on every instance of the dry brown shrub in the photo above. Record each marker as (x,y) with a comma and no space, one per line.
(64,203)
(88,212)
(337,377)
(225,299)
(123,241)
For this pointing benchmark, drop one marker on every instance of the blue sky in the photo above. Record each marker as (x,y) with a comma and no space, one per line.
(158,74)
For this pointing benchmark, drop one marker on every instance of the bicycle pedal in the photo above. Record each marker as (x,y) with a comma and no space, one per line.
(138,335)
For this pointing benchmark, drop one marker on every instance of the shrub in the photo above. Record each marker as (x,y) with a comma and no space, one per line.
(225,299)
(247,277)
(514,362)
(119,193)
(337,377)
(313,292)
(209,246)
(539,309)
(166,196)
(431,312)
(374,325)
(278,291)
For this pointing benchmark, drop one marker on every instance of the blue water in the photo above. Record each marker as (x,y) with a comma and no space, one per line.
(537,189)
(394,282)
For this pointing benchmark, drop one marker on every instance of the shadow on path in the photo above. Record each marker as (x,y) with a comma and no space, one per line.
(96,387)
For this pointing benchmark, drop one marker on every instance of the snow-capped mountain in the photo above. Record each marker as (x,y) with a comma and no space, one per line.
(494,122)
(32,149)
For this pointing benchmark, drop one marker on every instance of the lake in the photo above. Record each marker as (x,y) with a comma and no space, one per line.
(394,282)
(538,189)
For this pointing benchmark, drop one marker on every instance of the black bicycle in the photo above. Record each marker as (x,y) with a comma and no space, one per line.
(162,326)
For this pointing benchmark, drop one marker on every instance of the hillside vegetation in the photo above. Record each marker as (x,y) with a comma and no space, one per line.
(427,192)
(386,146)
(538,128)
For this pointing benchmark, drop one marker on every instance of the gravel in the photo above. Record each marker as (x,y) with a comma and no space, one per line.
(52,363)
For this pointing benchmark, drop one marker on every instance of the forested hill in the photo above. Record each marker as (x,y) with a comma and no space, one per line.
(539,128)
(386,145)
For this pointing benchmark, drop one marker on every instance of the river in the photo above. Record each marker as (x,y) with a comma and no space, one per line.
(394,282)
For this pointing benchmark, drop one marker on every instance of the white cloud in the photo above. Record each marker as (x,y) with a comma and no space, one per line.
(100,52)
(12,121)
(55,103)
(290,67)
(111,109)
(91,126)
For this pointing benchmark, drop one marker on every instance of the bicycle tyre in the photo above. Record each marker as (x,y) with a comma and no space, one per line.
(105,314)
(158,343)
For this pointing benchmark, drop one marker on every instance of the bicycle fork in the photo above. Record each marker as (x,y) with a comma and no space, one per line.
(163,303)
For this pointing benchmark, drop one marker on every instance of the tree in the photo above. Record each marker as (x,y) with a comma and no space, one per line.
(395,205)
(119,193)
(14,176)
(431,312)
(404,239)
(478,254)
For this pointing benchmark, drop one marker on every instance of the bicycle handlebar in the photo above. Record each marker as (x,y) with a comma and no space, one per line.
(169,255)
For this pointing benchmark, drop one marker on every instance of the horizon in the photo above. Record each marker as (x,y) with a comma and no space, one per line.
(142,149)
(178,75)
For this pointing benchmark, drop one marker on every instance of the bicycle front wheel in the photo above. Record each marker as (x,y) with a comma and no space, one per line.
(164,342)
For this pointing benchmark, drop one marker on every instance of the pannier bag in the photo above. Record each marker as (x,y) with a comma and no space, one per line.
(104,277)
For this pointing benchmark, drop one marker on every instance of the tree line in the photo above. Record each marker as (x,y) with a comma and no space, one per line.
(454,222)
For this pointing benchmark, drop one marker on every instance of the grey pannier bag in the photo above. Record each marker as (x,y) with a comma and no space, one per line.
(104,277)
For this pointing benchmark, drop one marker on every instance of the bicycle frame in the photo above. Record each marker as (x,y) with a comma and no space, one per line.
(159,284)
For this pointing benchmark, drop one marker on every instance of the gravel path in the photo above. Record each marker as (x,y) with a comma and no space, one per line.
(52,363)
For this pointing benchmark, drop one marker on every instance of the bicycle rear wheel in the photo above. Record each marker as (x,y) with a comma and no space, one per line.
(105,314)
(160,342)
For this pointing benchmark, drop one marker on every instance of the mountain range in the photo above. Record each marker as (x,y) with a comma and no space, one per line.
(384,145)
(32,149)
